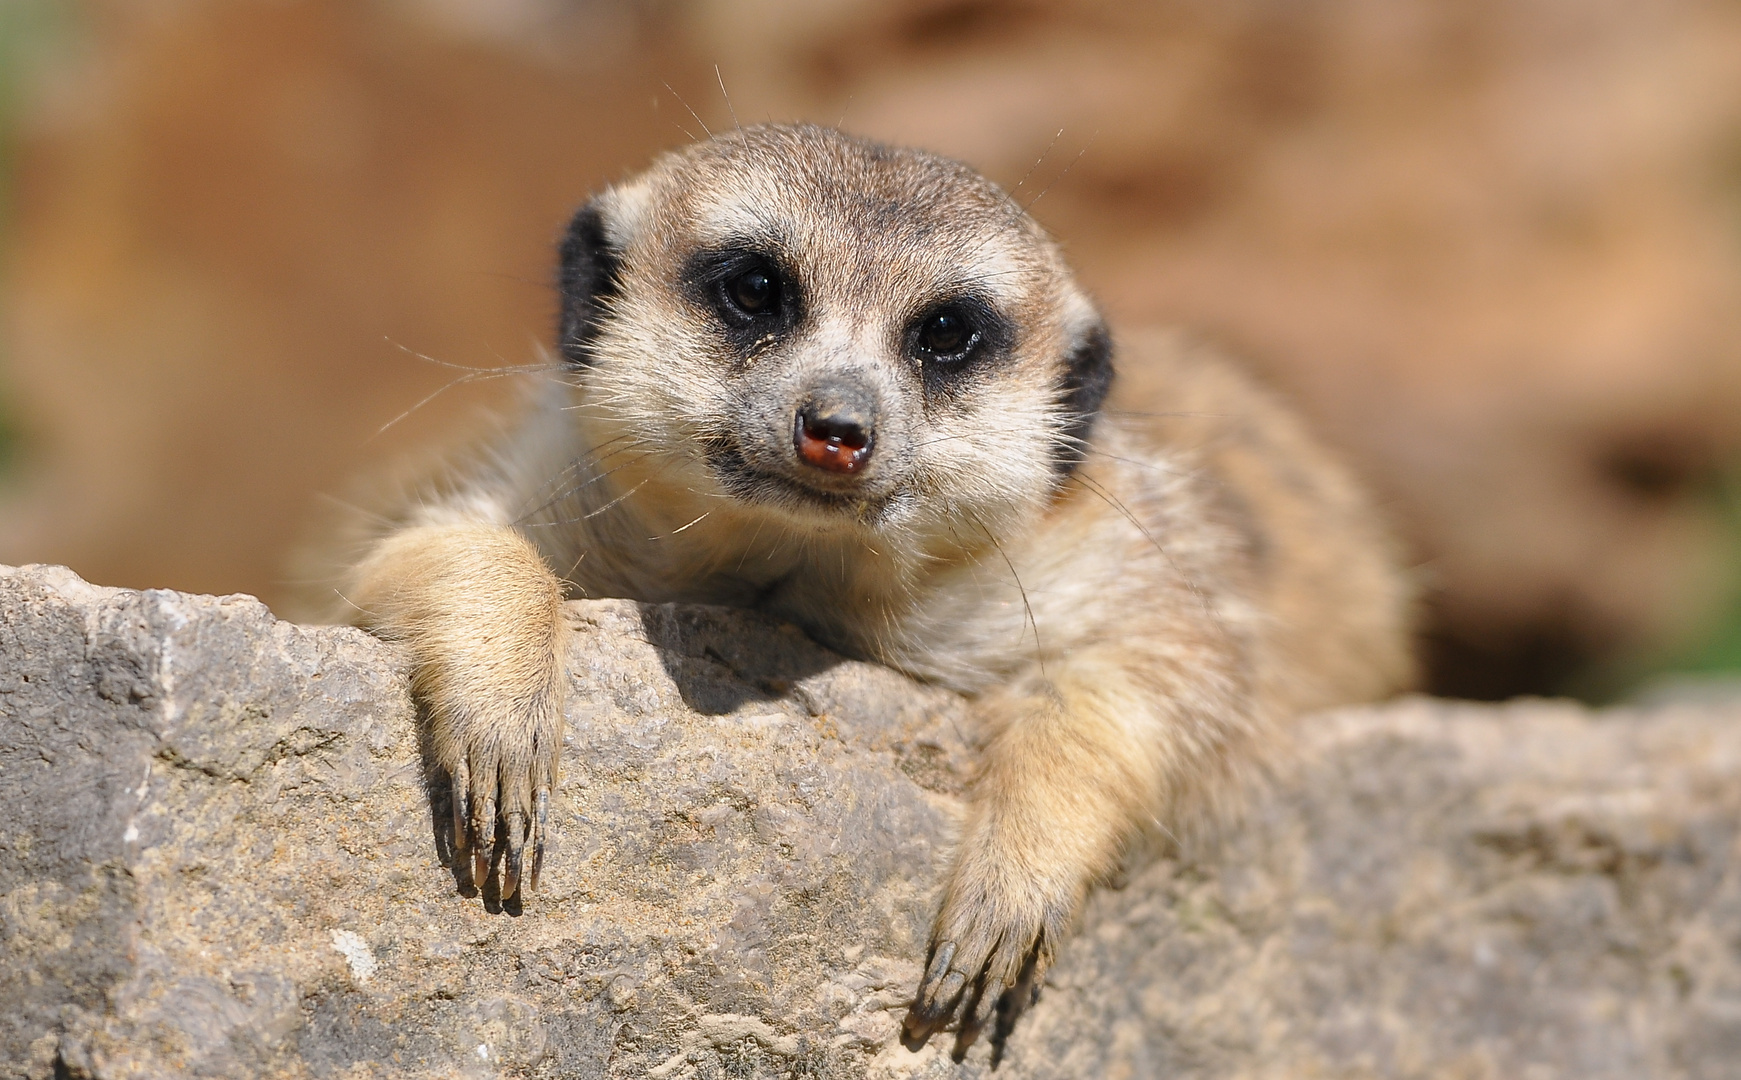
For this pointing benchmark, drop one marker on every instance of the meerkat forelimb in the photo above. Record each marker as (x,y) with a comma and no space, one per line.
(1080,766)
(482,616)
(857,387)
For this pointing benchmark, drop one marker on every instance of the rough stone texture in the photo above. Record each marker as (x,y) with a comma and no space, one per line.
(218,858)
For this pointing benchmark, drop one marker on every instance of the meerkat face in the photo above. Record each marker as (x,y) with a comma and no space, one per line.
(838,333)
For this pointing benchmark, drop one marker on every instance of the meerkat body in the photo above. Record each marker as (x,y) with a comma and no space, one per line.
(856,387)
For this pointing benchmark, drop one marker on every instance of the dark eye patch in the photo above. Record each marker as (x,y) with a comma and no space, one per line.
(951,336)
(751,293)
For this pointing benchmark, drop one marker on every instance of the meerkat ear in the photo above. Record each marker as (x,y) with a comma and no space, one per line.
(587,279)
(1087,381)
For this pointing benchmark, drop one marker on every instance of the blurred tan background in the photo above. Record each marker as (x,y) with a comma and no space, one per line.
(1492,248)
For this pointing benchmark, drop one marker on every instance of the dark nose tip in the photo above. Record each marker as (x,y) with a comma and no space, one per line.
(834,432)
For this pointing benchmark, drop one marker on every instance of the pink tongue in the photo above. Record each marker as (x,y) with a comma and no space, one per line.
(830,454)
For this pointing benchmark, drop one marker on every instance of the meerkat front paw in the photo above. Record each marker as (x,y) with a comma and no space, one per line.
(482,616)
(994,937)
(502,762)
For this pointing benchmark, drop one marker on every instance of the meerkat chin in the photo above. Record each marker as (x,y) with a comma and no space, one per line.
(857,387)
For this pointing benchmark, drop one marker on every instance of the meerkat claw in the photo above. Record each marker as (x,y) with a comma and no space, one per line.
(540,828)
(462,809)
(941,954)
(975,1013)
(516,823)
(983,973)
(934,1004)
(484,831)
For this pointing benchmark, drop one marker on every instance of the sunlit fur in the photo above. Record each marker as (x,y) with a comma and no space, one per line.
(1133,628)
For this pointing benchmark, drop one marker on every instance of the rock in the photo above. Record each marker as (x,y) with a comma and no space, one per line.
(219,857)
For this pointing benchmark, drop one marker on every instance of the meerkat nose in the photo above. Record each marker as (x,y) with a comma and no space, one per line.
(834,432)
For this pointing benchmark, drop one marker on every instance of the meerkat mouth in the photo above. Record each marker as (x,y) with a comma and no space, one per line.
(813,503)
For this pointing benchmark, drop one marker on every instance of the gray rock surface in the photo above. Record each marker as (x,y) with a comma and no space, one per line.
(218,857)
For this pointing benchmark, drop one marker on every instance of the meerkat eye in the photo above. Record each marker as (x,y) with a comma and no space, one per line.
(754,296)
(754,291)
(945,334)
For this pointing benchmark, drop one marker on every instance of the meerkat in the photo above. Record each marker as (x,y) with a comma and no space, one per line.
(857,387)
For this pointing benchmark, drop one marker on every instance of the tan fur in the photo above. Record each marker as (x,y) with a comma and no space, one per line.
(481,614)
(1134,630)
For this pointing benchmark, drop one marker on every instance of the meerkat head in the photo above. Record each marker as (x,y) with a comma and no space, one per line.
(840,334)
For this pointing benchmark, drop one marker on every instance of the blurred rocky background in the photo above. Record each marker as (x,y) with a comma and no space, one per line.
(1494,249)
